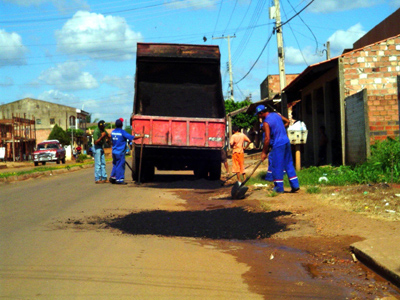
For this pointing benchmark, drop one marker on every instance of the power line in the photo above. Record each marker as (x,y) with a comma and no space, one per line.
(272,33)
(315,38)
(298,13)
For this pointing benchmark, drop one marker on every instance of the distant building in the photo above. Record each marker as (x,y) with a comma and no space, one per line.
(46,115)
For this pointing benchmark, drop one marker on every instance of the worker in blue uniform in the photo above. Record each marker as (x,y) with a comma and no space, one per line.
(119,138)
(277,144)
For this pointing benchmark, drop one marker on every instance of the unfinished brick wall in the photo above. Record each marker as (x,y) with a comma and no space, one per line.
(375,68)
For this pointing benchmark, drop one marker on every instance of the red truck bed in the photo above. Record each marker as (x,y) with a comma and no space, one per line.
(186,132)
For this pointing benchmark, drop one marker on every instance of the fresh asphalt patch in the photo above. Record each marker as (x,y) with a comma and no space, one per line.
(227,223)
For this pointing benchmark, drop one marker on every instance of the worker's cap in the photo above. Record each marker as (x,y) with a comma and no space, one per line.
(118,123)
(101,123)
(122,120)
(260,108)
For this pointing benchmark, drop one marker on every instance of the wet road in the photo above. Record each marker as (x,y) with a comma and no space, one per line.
(64,237)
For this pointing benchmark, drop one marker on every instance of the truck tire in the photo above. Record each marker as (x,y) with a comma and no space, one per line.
(215,170)
(36,163)
(43,163)
(200,171)
(147,173)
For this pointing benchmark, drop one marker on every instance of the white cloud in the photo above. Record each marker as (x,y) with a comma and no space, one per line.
(68,76)
(6,81)
(12,50)
(124,83)
(306,56)
(395,3)
(342,39)
(56,96)
(326,6)
(113,107)
(98,36)
(192,4)
(61,5)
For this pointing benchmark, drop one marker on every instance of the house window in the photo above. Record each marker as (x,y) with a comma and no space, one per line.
(72,121)
(52,121)
(38,121)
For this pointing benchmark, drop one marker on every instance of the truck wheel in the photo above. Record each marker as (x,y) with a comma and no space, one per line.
(147,172)
(215,170)
(44,163)
(200,171)
(36,163)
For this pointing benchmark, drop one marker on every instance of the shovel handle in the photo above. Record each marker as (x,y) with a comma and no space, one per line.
(252,172)
(234,174)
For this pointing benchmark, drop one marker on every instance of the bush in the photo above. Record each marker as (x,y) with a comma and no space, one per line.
(81,158)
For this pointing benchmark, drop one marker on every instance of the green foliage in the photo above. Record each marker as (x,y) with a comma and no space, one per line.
(242,120)
(59,134)
(382,166)
(77,132)
(313,189)
(81,158)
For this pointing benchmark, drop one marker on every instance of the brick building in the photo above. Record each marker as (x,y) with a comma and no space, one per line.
(355,96)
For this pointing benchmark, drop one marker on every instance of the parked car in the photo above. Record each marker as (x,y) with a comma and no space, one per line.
(49,151)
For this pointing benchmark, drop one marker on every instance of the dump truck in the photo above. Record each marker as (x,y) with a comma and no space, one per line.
(179,108)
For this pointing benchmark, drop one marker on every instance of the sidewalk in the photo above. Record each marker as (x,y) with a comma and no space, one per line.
(382,255)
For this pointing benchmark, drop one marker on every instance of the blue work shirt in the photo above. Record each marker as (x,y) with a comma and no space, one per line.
(119,137)
(278,134)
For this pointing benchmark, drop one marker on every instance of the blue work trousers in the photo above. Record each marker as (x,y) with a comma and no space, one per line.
(99,164)
(282,160)
(118,170)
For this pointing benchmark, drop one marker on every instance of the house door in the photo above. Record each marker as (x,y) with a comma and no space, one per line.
(357,128)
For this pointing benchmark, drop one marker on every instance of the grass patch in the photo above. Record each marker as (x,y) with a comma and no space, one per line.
(313,190)
(44,169)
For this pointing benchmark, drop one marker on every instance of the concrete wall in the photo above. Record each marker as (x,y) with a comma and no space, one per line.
(357,143)
(376,68)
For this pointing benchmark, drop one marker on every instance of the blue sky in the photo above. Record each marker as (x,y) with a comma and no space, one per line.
(82,53)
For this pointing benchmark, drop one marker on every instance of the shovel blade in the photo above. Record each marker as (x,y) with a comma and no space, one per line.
(235,188)
(238,191)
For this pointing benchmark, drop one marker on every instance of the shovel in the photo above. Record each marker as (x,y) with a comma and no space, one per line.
(239,190)
(234,174)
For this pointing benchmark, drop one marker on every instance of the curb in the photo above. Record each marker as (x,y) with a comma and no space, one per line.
(381,255)
(42,174)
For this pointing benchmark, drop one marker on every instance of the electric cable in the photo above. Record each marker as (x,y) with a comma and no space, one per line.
(272,33)
(315,38)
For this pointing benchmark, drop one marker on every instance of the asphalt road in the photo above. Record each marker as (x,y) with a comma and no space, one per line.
(56,242)
(45,253)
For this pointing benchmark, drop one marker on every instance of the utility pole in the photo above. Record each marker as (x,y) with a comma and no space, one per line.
(276,14)
(230,61)
(328,50)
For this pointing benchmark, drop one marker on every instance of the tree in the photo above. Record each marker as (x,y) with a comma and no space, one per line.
(59,134)
(242,120)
